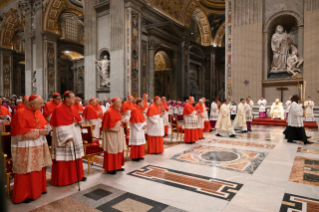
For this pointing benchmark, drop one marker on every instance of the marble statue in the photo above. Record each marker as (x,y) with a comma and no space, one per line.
(3,18)
(293,62)
(103,67)
(280,45)
(34,82)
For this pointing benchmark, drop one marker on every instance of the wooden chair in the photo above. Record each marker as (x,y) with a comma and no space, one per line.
(6,128)
(90,146)
(176,128)
(7,158)
(127,138)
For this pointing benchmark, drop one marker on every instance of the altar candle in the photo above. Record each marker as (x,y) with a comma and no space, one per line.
(304,90)
(301,93)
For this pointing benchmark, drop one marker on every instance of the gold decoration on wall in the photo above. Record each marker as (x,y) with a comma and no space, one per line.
(218,40)
(204,27)
(162,62)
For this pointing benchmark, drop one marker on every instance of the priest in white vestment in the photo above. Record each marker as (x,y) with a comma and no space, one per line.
(277,111)
(249,113)
(223,125)
(262,107)
(137,134)
(213,114)
(288,103)
(240,121)
(295,130)
(309,105)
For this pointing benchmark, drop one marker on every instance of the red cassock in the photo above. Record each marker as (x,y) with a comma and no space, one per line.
(64,166)
(200,109)
(33,184)
(77,108)
(48,109)
(4,111)
(127,106)
(166,121)
(90,112)
(207,126)
(145,106)
(113,140)
(137,135)
(155,130)
(20,106)
(191,124)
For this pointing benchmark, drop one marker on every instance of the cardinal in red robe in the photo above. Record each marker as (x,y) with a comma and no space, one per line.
(155,127)
(67,166)
(30,151)
(113,141)
(24,103)
(137,134)
(50,106)
(145,104)
(201,118)
(92,116)
(165,117)
(5,116)
(77,107)
(127,107)
(191,122)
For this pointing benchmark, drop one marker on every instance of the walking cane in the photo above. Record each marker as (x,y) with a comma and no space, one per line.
(76,165)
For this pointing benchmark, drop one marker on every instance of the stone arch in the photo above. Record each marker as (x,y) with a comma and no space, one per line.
(297,17)
(204,27)
(53,11)
(103,52)
(218,40)
(12,27)
(162,61)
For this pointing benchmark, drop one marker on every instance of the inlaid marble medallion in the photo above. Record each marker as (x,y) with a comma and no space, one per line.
(243,143)
(295,203)
(200,184)
(243,161)
(305,170)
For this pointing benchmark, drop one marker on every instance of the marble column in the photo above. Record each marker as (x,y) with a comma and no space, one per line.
(90,49)
(184,68)
(175,74)
(151,68)
(266,55)
(6,72)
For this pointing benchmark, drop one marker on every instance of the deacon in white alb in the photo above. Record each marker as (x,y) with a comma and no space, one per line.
(223,125)
(249,112)
(240,121)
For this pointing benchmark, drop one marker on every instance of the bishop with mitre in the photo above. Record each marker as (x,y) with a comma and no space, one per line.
(262,107)
(309,105)
(155,127)
(5,116)
(92,117)
(30,151)
(137,134)
(240,120)
(201,118)
(191,122)
(277,111)
(50,106)
(113,141)
(223,125)
(67,165)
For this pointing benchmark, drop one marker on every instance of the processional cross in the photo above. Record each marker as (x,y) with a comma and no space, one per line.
(282,89)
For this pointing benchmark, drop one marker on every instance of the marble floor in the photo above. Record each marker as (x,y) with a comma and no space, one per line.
(258,171)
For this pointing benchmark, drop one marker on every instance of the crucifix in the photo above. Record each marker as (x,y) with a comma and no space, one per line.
(282,89)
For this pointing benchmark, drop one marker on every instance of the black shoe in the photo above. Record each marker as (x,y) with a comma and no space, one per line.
(218,135)
(165,135)
(112,172)
(27,201)
(290,141)
(308,137)
(84,179)
(249,130)
(135,159)
(244,131)
(232,136)
(120,170)
(211,130)
(141,158)
(44,192)
(308,142)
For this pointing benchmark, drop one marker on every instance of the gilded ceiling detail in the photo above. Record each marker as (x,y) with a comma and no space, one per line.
(204,26)
(218,40)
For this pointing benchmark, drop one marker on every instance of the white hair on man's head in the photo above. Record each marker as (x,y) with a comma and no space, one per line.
(19,101)
(201,100)
(34,101)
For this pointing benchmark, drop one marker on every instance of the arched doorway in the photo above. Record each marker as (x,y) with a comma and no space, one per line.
(163,74)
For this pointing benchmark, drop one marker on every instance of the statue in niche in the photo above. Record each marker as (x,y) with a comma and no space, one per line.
(280,45)
(103,67)
(293,62)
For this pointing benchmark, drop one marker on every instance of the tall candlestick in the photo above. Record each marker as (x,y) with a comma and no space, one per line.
(301,93)
(304,90)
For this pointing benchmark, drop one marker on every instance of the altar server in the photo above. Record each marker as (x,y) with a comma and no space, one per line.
(155,127)
(67,166)
(113,142)
(127,107)
(309,105)
(91,116)
(277,111)
(5,116)
(137,135)
(223,125)
(249,113)
(295,128)
(214,111)
(165,108)
(191,122)
(262,107)
(201,118)
(30,152)
(50,106)
(240,120)
(207,127)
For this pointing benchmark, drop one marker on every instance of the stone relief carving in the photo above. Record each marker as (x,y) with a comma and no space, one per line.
(33,23)
(34,82)
(3,18)
(103,68)
(45,4)
(293,62)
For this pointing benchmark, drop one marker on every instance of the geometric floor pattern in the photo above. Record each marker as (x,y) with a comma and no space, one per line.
(191,182)
(295,203)
(305,170)
(243,161)
(105,198)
